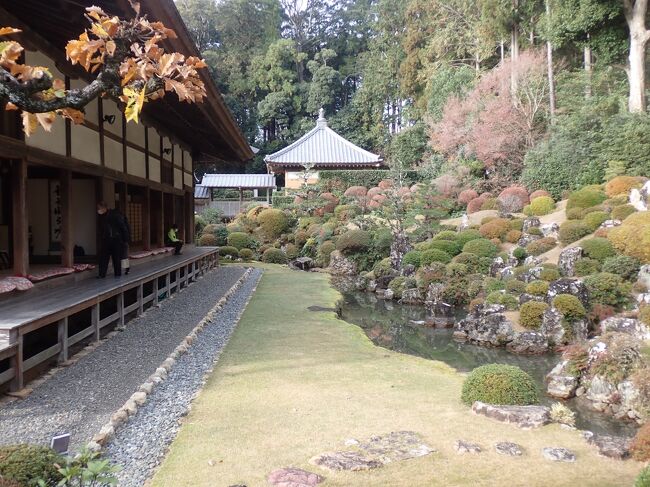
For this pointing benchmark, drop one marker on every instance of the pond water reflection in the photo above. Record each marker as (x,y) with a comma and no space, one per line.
(399,328)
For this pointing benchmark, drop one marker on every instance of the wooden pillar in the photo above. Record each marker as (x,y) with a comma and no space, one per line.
(140,292)
(94,319)
(20,219)
(146,219)
(120,309)
(67,242)
(17,382)
(63,339)
(189,218)
(123,192)
(161,222)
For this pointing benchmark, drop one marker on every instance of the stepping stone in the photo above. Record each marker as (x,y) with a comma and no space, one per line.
(508,448)
(396,446)
(617,447)
(523,416)
(466,447)
(293,477)
(345,460)
(556,454)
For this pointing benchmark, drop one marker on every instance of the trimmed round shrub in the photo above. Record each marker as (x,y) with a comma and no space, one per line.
(246,254)
(622,212)
(644,314)
(475,205)
(531,314)
(353,241)
(356,191)
(517,224)
(515,286)
(570,307)
(383,268)
(586,198)
(398,285)
(643,479)
(538,247)
(489,204)
(539,193)
(633,236)
(412,258)
(446,235)
(549,274)
(513,199)
(499,384)
(436,272)
(586,267)
(595,219)
(273,222)
(575,214)
(466,196)
(608,289)
(481,247)
(538,288)
(456,269)
(472,261)
(513,236)
(448,246)
(208,240)
(325,250)
(640,446)
(274,256)
(542,205)
(495,228)
(598,248)
(239,240)
(291,251)
(434,255)
(535,231)
(622,265)
(621,185)
(467,236)
(300,238)
(345,212)
(229,251)
(26,464)
(519,253)
(508,300)
(573,230)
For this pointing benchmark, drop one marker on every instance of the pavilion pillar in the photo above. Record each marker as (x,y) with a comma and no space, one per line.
(20,218)
(146,220)
(123,192)
(189,218)
(67,242)
(160,238)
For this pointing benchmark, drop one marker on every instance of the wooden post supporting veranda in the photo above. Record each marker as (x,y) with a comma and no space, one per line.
(161,222)
(146,220)
(20,221)
(67,243)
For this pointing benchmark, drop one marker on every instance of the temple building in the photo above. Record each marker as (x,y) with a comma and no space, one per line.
(320,149)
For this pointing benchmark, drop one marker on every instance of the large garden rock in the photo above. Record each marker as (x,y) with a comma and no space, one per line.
(640,198)
(630,326)
(558,454)
(395,446)
(567,261)
(525,417)
(560,382)
(411,296)
(408,270)
(341,265)
(530,222)
(466,447)
(528,343)
(386,294)
(644,276)
(552,327)
(508,448)
(302,263)
(485,326)
(617,447)
(293,477)
(527,238)
(345,460)
(600,391)
(607,224)
(498,264)
(525,297)
(434,300)
(550,230)
(575,287)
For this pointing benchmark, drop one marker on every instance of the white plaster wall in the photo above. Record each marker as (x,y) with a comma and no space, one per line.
(154,141)
(154,169)
(84,216)
(85,144)
(135,162)
(166,144)
(187,179)
(187,160)
(38,214)
(178,178)
(111,108)
(113,157)
(92,109)
(135,133)
(178,158)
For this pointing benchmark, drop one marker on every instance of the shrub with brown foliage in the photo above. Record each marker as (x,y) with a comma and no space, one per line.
(621,185)
(513,199)
(475,205)
(495,228)
(356,191)
(640,446)
(466,196)
(539,193)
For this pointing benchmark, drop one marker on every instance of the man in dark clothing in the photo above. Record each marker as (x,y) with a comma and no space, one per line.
(113,234)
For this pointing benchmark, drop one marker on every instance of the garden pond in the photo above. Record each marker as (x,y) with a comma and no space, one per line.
(400,328)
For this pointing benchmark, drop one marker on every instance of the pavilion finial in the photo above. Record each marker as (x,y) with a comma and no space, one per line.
(322,121)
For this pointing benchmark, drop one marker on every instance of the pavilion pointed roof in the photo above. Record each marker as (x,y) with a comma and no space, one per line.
(323,148)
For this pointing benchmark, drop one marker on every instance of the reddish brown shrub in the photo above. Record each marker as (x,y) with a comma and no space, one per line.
(538,193)
(356,191)
(513,199)
(374,191)
(385,184)
(495,229)
(475,205)
(640,446)
(466,196)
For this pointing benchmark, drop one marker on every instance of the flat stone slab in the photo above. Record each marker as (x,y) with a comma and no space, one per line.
(508,448)
(375,452)
(558,454)
(293,477)
(525,417)
(345,460)
(466,447)
(617,447)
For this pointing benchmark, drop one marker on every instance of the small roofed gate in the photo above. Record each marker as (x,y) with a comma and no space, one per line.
(233,193)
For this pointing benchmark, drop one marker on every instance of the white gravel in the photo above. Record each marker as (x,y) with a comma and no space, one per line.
(139,446)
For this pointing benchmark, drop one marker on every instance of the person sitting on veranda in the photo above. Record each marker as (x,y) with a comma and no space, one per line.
(173,240)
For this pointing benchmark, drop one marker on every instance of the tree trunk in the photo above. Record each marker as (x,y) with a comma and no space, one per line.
(588,68)
(635,14)
(551,77)
(502,51)
(514,52)
(398,248)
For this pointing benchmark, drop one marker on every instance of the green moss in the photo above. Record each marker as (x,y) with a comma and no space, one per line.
(499,384)
(549,274)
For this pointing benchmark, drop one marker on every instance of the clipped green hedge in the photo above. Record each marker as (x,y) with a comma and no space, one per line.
(499,384)
(26,464)
(281,201)
(367,177)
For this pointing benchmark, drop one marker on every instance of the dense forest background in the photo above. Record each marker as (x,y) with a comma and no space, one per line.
(480,92)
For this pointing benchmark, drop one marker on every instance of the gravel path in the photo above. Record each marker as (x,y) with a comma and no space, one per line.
(140,445)
(80,399)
